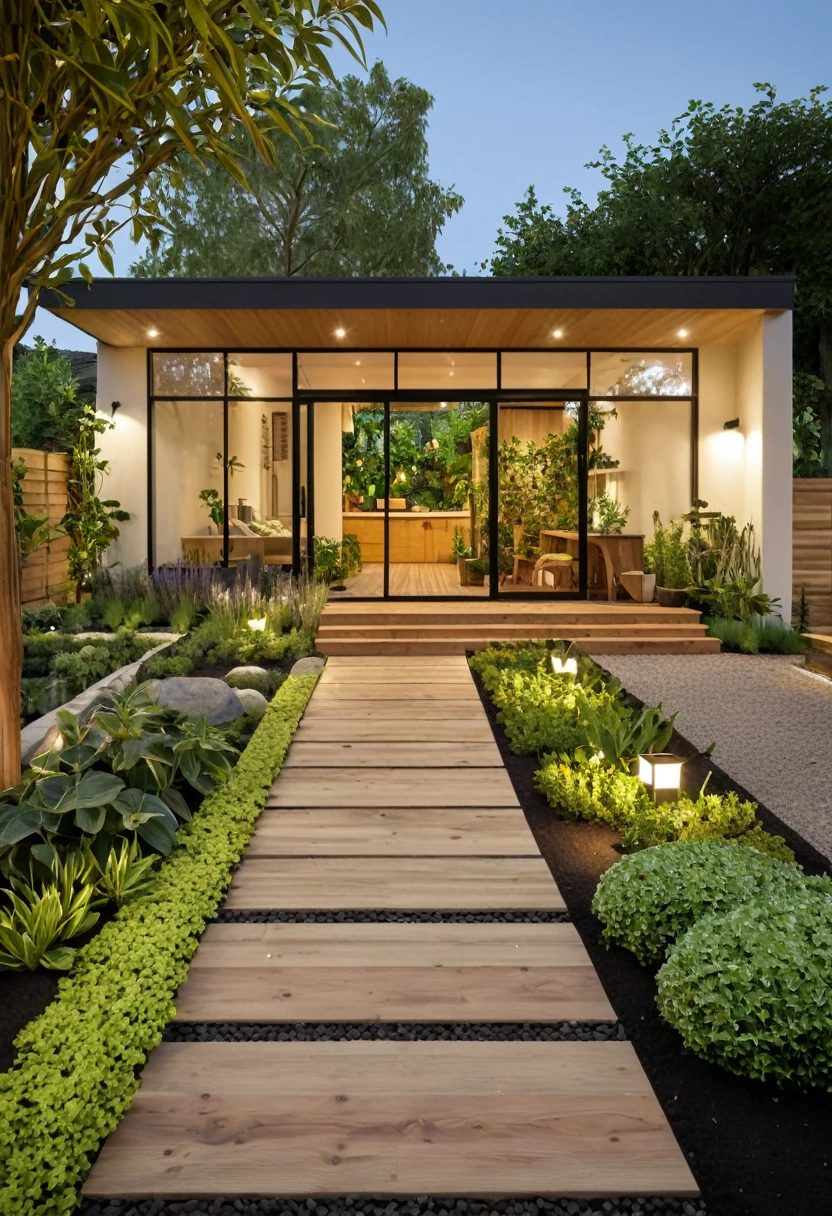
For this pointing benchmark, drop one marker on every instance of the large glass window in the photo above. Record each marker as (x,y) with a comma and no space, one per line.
(543,369)
(187,464)
(641,374)
(346,370)
(188,374)
(253,374)
(448,372)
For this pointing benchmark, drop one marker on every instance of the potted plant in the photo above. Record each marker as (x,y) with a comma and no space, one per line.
(460,552)
(666,557)
(478,567)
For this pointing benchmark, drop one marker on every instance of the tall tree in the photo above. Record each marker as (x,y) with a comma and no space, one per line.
(358,202)
(94,98)
(724,191)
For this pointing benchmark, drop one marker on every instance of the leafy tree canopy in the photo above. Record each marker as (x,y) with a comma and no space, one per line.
(723,191)
(44,394)
(359,201)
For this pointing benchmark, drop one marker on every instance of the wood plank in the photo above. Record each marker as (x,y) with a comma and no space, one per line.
(391,973)
(447,663)
(393,832)
(395,690)
(395,884)
(393,730)
(476,1119)
(386,787)
(363,710)
(408,672)
(393,755)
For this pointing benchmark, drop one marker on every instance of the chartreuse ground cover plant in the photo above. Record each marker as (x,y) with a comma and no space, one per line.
(76,1068)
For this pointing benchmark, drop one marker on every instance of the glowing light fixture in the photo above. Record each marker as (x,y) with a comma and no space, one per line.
(259,625)
(661,772)
(153,333)
(557,333)
(683,333)
(443,405)
(358,363)
(564,666)
(340,333)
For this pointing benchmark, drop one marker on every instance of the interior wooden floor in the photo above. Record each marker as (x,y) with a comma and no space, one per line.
(379,1117)
(407,578)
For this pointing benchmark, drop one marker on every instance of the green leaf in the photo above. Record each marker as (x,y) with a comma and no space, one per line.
(18,822)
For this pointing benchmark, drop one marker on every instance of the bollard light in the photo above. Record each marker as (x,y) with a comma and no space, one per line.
(564,667)
(661,772)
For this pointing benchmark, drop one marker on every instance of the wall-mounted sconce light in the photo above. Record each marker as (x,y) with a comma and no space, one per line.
(114,405)
(731,425)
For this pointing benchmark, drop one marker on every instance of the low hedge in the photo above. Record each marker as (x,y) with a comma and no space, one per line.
(77,1064)
(706,817)
(592,790)
(648,900)
(750,989)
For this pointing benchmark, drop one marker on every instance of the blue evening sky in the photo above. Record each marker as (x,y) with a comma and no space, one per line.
(527,91)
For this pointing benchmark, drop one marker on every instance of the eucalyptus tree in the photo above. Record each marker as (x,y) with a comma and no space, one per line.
(94,98)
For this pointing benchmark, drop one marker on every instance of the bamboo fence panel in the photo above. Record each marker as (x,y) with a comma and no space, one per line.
(812,547)
(44,493)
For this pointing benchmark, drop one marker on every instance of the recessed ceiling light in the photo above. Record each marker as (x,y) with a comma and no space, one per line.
(358,363)
(683,333)
(557,333)
(450,373)
(153,333)
(443,405)
(340,333)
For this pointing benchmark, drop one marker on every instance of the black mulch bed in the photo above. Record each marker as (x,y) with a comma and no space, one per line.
(753,1149)
(422,1205)
(409,1032)
(23,996)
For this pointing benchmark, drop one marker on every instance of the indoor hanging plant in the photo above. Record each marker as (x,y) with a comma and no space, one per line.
(666,557)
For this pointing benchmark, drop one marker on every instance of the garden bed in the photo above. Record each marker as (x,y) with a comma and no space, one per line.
(755,1150)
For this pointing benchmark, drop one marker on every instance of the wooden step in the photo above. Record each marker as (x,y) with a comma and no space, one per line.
(820,641)
(379,1118)
(525,614)
(392,973)
(370,629)
(700,644)
(393,832)
(397,884)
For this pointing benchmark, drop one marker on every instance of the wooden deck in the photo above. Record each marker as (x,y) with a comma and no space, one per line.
(434,825)
(413,628)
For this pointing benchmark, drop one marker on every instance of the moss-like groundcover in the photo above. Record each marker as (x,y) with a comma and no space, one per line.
(77,1064)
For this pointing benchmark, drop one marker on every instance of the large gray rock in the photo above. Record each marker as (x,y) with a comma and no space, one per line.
(254,702)
(309,666)
(197,695)
(249,677)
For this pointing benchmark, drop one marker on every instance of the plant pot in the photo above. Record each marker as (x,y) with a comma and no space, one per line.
(475,579)
(464,572)
(671,597)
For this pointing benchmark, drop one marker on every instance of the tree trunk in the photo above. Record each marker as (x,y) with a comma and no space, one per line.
(825,352)
(11,649)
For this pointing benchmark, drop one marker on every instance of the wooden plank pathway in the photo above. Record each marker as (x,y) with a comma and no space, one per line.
(393,799)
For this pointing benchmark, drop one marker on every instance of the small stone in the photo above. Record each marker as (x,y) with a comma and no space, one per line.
(309,666)
(198,695)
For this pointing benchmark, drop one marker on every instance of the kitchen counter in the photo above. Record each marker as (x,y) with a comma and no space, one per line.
(415,536)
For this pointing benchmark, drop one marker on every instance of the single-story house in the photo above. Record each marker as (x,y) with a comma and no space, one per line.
(530,426)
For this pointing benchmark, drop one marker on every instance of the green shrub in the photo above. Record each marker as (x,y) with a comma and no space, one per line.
(46,911)
(706,817)
(493,660)
(159,668)
(649,899)
(734,635)
(619,733)
(764,842)
(776,637)
(592,790)
(77,1064)
(750,989)
(539,714)
(766,635)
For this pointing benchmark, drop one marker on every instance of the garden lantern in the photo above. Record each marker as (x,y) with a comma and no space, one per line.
(564,667)
(661,772)
(258,625)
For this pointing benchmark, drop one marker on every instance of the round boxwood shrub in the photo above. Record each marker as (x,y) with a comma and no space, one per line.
(256,678)
(649,899)
(751,989)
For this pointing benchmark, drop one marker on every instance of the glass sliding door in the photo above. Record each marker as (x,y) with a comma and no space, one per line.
(541,504)
(437,507)
(360,481)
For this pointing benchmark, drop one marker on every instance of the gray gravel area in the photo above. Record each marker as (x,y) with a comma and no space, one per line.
(424,1032)
(771,721)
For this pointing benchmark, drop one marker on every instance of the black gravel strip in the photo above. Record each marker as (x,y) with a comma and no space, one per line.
(754,1150)
(268,916)
(466,1032)
(422,1205)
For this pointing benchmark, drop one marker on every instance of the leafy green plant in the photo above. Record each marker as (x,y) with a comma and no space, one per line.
(160,668)
(112,612)
(802,612)
(776,637)
(648,900)
(77,1065)
(620,734)
(44,914)
(458,546)
(734,635)
(183,615)
(706,817)
(606,515)
(123,874)
(592,790)
(538,713)
(214,504)
(666,555)
(32,531)
(749,989)
(728,577)
(90,522)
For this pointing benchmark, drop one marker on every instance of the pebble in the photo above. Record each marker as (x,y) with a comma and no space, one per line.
(302,1032)
(363,1205)
(268,916)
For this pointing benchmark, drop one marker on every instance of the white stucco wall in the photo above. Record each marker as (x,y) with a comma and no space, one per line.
(122,376)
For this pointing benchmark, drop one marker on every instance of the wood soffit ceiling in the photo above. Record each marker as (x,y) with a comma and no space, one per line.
(414,329)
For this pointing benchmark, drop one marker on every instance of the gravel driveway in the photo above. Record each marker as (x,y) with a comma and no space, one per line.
(771,720)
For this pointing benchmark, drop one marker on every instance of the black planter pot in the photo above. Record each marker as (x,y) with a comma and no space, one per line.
(671,597)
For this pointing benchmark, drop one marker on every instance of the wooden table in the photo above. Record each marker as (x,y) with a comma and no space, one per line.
(618,551)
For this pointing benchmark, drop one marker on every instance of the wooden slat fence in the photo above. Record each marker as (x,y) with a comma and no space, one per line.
(44,493)
(812,547)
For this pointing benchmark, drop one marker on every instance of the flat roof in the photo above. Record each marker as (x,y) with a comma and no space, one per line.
(756,292)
